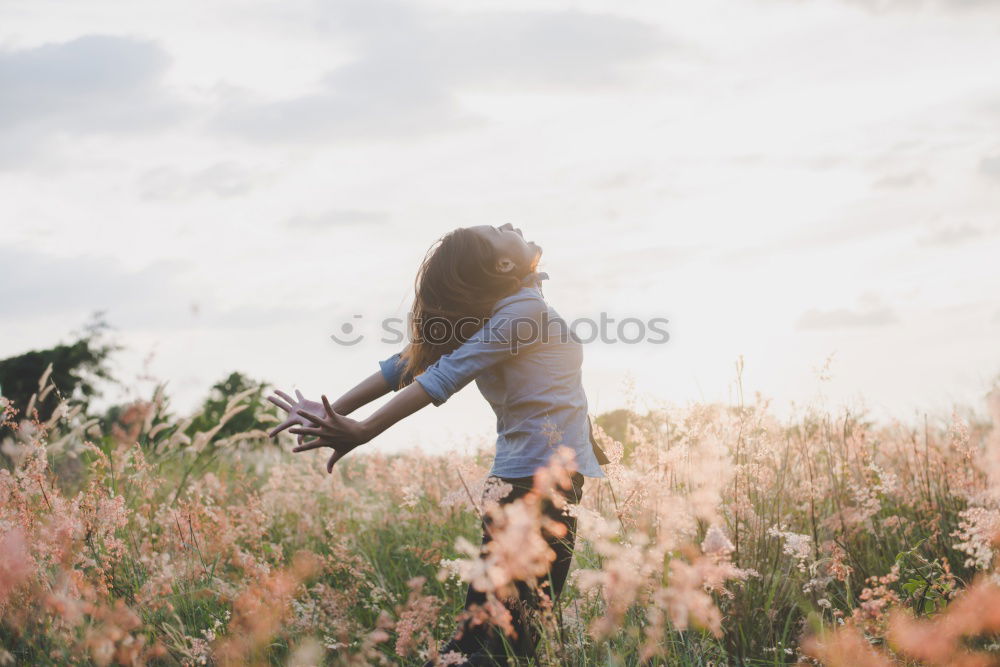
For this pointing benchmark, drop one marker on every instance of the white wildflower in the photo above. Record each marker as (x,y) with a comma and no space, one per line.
(716,542)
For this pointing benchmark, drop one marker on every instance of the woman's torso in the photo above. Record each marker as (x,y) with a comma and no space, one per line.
(538,398)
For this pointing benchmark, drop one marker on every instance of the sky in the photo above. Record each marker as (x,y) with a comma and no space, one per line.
(811,186)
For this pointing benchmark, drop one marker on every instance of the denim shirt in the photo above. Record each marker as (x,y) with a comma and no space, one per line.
(530,379)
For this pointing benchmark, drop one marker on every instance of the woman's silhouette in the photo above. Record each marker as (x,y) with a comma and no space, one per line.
(479,314)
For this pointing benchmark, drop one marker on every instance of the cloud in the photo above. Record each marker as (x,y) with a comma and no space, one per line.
(256,316)
(90,85)
(902,180)
(813,237)
(952,235)
(886,6)
(337,218)
(37,284)
(990,166)
(622,179)
(222,179)
(824,162)
(410,67)
(617,269)
(870,313)
(380,109)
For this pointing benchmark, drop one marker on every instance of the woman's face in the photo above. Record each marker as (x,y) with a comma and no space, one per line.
(512,251)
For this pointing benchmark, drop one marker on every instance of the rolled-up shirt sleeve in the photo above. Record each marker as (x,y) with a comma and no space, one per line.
(392,370)
(512,329)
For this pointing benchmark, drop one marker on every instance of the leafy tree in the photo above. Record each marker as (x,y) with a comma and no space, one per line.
(77,369)
(253,417)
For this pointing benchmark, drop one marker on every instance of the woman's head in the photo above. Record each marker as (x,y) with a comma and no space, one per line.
(511,253)
(461,278)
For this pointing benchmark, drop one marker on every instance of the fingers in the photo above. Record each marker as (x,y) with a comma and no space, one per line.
(302,399)
(281,427)
(312,444)
(329,411)
(305,430)
(291,401)
(281,404)
(336,456)
(319,421)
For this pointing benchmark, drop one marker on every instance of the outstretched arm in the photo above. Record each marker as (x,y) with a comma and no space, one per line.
(343,434)
(372,387)
(510,330)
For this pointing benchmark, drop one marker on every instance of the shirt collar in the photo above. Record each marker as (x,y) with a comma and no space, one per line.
(530,281)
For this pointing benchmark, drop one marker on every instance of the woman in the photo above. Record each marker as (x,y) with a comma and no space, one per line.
(479,314)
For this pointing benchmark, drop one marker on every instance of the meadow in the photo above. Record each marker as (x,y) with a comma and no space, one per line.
(722,535)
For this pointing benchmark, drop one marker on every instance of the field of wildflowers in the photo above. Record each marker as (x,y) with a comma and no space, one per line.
(721,536)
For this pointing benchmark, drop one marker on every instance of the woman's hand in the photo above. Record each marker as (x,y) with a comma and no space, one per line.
(295,410)
(340,433)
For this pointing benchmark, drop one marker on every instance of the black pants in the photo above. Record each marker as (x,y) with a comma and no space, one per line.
(488,639)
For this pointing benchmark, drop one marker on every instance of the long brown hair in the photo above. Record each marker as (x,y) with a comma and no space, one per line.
(456,287)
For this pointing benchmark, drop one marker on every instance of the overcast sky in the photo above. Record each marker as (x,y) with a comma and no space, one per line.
(784,180)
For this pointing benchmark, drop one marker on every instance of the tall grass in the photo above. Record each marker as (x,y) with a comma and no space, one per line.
(722,535)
